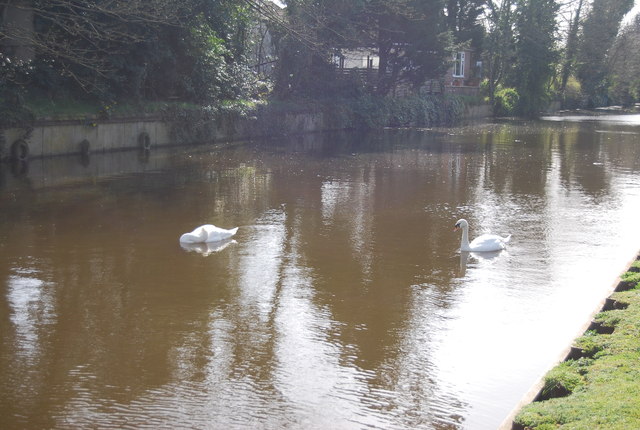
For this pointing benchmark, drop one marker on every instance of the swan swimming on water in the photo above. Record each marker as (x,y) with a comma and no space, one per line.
(207,233)
(484,243)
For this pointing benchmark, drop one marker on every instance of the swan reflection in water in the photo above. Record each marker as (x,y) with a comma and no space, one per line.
(207,248)
(479,256)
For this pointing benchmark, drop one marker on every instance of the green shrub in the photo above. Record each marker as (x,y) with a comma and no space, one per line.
(370,111)
(505,101)
(485,91)
(590,344)
(608,318)
(572,97)
(421,110)
(632,277)
(562,380)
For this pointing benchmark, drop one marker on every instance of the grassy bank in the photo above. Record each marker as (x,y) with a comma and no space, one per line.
(599,387)
(72,108)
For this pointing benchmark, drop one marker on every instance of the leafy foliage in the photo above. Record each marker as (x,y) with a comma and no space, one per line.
(463,21)
(599,32)
(505,101)
(12,111)
(624,65)
(572,95)
(536,53)
(499,44)
(563,380)
(158,49)
(374,111)
(369,111)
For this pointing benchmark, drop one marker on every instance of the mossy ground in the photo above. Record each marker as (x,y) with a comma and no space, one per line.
(600,390)
(73,108)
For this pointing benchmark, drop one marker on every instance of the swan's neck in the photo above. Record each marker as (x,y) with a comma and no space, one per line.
(464,242)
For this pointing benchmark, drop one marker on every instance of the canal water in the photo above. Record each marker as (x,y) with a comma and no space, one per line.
(342,302)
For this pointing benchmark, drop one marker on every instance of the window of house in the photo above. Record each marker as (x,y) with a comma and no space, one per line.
(479,70)
(458,65)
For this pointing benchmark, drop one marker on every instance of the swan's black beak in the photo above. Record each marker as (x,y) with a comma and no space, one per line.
(456,227)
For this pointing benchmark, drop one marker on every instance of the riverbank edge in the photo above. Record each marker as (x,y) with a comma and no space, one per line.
(535,392)
(47,137)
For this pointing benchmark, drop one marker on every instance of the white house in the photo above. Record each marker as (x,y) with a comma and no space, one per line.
(357,59)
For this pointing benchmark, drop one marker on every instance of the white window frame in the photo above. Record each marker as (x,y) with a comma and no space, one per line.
(458,65)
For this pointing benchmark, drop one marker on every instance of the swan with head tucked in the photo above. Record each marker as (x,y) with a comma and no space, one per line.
(207,233)
(484,243)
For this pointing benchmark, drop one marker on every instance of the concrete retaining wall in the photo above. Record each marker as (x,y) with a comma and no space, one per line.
(65,137)
(50,138)
(477,111)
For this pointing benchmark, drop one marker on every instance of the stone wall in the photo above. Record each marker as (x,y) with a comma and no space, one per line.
(50,138)
(66,137)
(477,111)
(72,137)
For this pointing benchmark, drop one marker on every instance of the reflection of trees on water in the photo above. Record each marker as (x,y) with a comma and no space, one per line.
(364,257)
(341,277)
(520,158)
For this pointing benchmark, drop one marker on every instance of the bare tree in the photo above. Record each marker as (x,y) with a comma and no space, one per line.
(83,33)
(573,11)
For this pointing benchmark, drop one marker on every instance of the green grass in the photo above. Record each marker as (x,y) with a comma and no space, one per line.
(602,391)
(75,108)
(633,277)
(44,107)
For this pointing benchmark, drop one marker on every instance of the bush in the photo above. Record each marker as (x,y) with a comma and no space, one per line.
(370,111)
(562,380)
(631,277)
(590,344)
(422,110)
(505,101)
(485,91)
(572,97)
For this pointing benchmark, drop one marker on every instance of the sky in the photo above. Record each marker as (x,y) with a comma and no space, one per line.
(634,11)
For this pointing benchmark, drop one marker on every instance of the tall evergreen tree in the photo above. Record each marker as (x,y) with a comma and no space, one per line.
(412,41)
(536,53)
(463,20)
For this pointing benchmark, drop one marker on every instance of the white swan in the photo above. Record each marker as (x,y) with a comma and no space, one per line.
(484,243)
(207,233)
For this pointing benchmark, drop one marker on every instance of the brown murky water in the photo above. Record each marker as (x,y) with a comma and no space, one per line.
(342,302)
